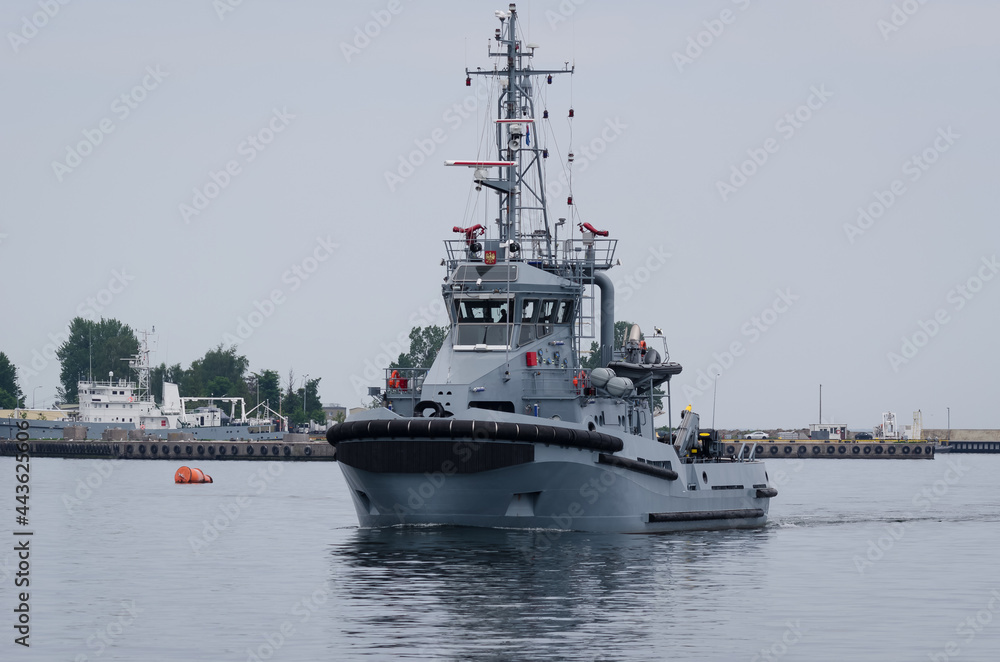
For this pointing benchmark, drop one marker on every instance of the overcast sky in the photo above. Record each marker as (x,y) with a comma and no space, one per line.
(220,172)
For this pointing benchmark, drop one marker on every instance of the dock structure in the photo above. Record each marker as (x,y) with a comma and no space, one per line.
(834,449)
(969,447)
(294,447)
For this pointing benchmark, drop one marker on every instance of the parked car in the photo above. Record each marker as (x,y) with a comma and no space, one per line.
(756,435)
(863,435)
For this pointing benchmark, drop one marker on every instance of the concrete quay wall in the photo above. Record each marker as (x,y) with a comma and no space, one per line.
(962,434)
(294,449)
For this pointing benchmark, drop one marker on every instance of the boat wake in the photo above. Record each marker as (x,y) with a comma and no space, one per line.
(849,519)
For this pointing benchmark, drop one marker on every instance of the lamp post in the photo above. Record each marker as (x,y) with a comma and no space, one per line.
(949,422)
(305,383)
(715,389)
(33,396)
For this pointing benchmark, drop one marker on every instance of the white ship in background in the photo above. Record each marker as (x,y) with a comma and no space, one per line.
(128,405)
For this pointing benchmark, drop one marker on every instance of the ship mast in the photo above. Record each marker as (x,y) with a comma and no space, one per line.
(140,363)
(516,110)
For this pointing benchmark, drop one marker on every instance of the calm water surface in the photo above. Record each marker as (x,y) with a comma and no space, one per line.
(867,560)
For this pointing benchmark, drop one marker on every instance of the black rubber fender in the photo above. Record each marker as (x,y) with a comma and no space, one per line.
(527,432)
(563,435)
(507,431)
(484,430)
(398,429)
(348,430)
(461,429)
(452,429)
(546,434)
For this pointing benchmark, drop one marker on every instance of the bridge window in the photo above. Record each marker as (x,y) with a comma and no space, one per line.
(546,317)
(483,322)
(488,311)
(529,311)
(564,313)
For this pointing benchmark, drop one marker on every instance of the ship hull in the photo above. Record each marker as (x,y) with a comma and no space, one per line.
(507,483)
(574,501)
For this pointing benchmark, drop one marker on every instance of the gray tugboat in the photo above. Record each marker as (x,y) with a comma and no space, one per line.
(505,429)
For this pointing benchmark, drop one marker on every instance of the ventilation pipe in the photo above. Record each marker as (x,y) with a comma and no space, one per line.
(603,281)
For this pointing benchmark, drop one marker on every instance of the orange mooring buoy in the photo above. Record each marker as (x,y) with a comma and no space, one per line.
(188,475)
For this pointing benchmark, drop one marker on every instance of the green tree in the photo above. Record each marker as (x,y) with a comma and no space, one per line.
(161,373)
(221,372)
(593,360)
(621,332)
(303,404)
(265,386)
(10,392)
(425,342)
(314,406)
(94,348)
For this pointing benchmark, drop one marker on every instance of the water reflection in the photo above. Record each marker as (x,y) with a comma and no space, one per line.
(494,594)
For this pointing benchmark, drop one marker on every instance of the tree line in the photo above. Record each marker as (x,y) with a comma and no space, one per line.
(100,350)
(10,391)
